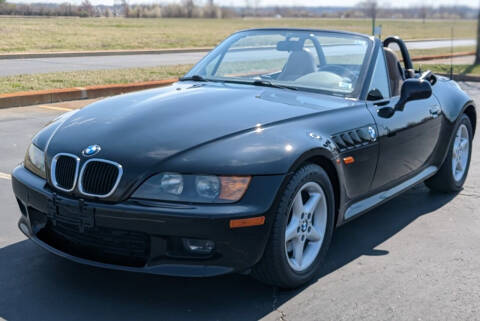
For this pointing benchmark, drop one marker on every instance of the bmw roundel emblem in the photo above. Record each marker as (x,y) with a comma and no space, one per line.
(372,133)
(91,150)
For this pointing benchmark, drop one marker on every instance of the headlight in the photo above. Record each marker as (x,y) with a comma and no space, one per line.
(207,186)
(193,188)
(171,183)
(35,161)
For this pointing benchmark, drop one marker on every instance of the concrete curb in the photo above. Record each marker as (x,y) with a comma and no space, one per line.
(58,95)
(101,53)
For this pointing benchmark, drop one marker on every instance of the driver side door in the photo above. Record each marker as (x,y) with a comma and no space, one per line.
(408,138)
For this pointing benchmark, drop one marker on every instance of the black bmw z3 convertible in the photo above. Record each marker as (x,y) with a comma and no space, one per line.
(249,162)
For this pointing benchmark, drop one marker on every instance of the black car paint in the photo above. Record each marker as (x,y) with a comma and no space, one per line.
(236,129)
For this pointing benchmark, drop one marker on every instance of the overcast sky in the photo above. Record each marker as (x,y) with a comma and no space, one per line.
(403,3)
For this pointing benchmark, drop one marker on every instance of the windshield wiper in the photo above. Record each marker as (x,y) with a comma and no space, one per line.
(194,78)
(259,82)
(266,83)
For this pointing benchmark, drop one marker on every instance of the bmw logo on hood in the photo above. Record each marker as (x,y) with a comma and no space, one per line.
(91,150)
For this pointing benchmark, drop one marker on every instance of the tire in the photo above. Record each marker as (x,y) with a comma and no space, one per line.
(445,180)
(279,266)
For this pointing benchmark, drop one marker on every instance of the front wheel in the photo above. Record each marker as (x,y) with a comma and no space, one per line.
(453,173)
(301,232)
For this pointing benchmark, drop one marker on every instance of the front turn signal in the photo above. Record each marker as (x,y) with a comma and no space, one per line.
(349,160)
(233,187)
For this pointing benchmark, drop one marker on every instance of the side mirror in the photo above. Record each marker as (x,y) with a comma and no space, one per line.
(413,89)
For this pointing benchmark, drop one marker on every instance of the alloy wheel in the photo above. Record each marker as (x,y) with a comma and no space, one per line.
(461,149)
(306,226)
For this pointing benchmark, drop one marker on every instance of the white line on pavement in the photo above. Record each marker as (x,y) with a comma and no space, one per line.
(55,108)
(5,176)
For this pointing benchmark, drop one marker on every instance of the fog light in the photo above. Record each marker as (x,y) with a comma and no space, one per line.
(199,246)
(24,228)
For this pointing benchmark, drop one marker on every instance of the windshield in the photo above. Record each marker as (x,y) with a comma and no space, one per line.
(325,61)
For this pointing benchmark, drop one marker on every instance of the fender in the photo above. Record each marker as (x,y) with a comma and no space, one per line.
(453,101)
(328,159)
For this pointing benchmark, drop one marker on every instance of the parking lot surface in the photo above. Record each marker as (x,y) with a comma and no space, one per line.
(416,257)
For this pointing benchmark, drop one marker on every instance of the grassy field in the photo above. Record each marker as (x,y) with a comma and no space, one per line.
(440,51)
(79,34)
(457,69)
(55,80)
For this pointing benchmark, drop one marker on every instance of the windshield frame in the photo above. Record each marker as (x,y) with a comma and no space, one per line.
(223,47)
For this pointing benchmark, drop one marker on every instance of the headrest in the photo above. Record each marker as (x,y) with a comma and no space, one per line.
(289,45)
(390,53)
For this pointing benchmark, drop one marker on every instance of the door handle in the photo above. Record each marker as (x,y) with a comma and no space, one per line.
(382,103)
(435,110)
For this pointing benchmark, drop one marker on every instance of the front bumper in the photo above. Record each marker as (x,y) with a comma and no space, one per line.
(141,237)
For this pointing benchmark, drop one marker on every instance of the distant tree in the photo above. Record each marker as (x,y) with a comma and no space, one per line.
(189,7)
(125,8)
(4,7)
(257,4)
(370,8)
(423,13)
(210,10)
(87,8)
(247,8)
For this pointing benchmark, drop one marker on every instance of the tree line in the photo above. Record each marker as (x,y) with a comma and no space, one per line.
(183,9)
(195,9)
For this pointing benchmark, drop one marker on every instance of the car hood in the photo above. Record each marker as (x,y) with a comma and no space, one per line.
(142,129)
(156,124)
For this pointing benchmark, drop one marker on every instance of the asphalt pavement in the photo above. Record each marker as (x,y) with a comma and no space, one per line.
(10,67)
(416,257)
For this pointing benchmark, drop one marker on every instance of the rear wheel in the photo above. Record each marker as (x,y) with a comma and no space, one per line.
(302,230)
(453,173)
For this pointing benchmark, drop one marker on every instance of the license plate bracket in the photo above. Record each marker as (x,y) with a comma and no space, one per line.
(73,212)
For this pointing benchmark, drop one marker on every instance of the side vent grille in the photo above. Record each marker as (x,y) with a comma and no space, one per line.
(353,139)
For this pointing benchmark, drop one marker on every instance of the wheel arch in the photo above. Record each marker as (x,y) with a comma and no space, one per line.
(325,159)
(472,115)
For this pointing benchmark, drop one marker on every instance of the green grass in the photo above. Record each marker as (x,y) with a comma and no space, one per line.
(457,69)
(440,51)
(80,34)
(56,80)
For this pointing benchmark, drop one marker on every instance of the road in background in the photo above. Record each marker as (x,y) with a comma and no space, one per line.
(416,257)
(10,67)
(440,43)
